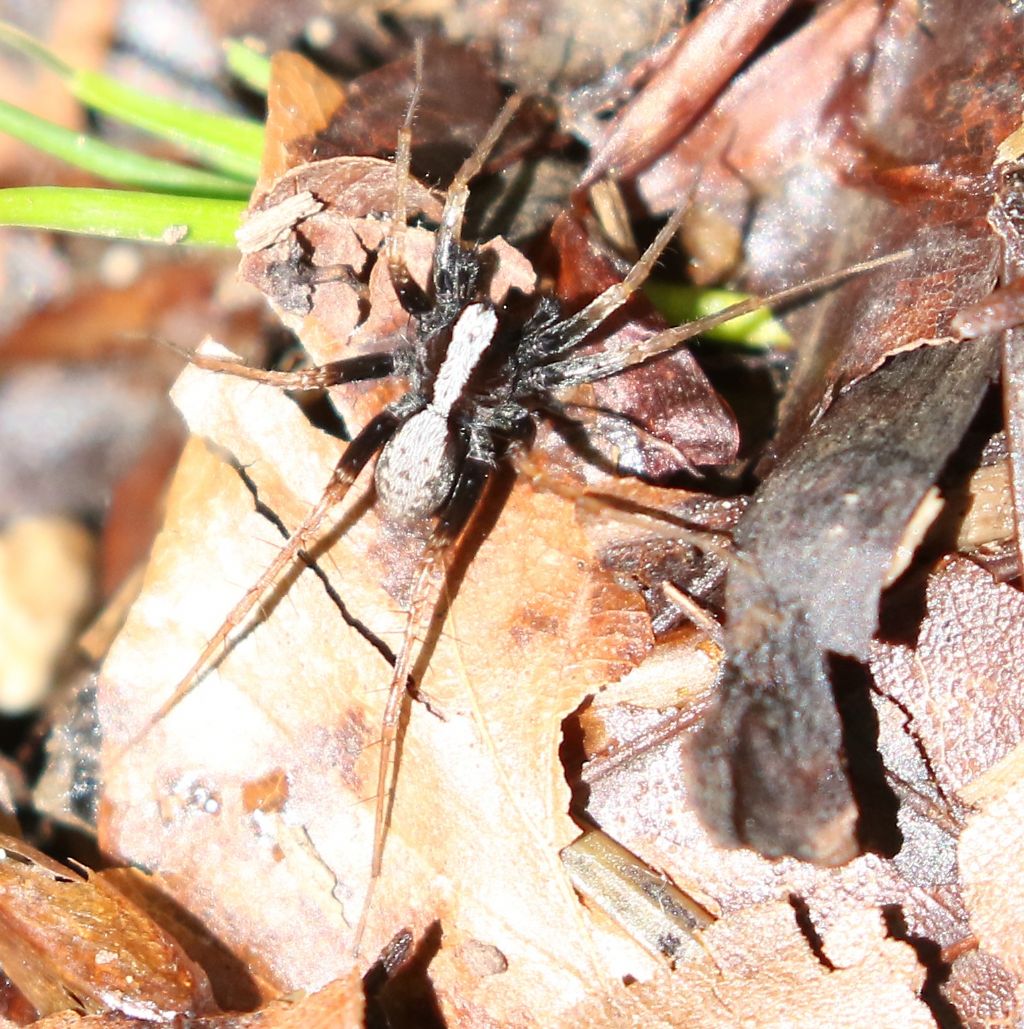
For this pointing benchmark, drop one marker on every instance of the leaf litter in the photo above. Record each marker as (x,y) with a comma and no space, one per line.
(264,774)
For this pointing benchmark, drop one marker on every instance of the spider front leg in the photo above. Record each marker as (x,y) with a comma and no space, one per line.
(575,369)
(455,270)
(376,365)
(352,462)
(552,342)
(408,292)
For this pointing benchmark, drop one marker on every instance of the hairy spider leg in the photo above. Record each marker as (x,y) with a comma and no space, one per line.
(428,587)
(454,283)
(457,196)
(376,433)
(377,365)
(570,332)
(395,247)
(577,369)
(573,330)
(453,275)
(426,593)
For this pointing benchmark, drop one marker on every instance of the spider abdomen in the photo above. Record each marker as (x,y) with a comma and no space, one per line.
(416,469)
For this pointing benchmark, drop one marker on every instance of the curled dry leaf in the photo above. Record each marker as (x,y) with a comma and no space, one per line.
(894,166)
(68,941)
(772,117)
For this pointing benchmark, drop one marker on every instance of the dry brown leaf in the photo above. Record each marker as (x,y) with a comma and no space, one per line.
(339,1005)
(301,102)
(767,119)
(67,942)
(702,59)
(759,970)
(481,801)
(961,685)
(992,861)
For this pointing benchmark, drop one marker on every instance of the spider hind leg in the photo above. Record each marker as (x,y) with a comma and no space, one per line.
(357,454)
(428,588)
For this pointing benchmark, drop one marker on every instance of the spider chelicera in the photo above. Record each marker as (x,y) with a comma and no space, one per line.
(479,378)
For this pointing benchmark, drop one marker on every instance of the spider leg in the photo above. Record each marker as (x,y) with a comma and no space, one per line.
(357,454)
(580,368)
(426,594)
(408,292)
(456,270)
(450,231)
(572,331)
(349,369)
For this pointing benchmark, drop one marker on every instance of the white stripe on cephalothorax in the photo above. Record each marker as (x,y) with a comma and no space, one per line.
(472,335)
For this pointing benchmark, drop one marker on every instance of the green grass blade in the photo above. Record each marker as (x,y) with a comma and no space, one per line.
(681,304)
(248,65)
(232,145)
(114,164)
(121,214)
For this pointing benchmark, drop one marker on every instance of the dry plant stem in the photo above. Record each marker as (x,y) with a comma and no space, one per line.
(704,621)
(654,911)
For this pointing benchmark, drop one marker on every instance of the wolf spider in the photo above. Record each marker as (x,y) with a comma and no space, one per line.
(479,379)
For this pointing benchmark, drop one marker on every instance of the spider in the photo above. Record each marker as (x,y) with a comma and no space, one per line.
(478,379)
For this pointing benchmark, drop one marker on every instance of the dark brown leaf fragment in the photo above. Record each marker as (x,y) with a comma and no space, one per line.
(706,54)
(673,417)
(815,547)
